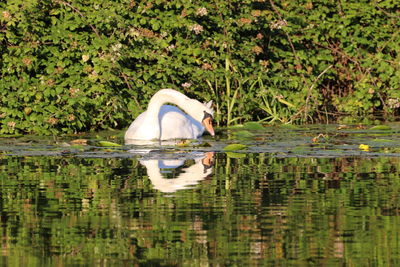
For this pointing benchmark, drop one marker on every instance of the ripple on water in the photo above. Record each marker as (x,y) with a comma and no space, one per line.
(284,200)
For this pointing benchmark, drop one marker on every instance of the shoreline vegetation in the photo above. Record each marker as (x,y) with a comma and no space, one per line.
(77,66)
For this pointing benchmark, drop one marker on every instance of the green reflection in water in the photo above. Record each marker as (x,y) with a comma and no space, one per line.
(251,210)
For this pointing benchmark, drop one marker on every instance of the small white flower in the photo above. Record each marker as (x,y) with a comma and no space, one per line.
(186,85)
(85,58)
(6,15)
(171,47)
(196,28)
(116,47)
(134,32)
(278,24)
(11,124)
(202,11)
(393,103)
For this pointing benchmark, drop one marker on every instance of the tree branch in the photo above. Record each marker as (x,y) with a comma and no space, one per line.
(80,14)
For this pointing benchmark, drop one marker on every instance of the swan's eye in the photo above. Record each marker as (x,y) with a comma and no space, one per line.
(207,115)
(207,122)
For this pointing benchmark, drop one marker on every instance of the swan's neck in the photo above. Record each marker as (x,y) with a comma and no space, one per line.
(157,101)
(167,96)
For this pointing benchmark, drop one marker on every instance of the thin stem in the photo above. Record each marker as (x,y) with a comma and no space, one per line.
(80,14)
(130,88)
(312,87)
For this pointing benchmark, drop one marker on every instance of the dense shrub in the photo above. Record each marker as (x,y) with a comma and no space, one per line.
(71,66)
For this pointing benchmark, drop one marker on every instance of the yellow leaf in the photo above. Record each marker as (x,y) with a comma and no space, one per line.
(108,144)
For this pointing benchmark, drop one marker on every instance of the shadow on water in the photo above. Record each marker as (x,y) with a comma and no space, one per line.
(313,195)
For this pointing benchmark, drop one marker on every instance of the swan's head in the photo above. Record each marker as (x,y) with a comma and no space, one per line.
(203,113)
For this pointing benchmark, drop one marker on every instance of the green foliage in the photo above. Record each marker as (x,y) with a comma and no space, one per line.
(243,134)
(72,66)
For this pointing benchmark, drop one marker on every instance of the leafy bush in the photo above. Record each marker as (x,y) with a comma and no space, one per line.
(72,66)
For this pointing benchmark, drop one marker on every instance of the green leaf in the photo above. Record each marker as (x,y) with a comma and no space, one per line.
(108,144)
(234,147)
(235,155)
(381,128)
(253,126)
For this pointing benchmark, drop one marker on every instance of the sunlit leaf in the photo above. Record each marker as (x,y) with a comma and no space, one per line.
(381,128)
(108,144)
(235,155)
(234,147)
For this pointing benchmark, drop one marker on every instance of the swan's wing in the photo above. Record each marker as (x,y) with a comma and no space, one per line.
(136,130)
(143,128)
(177,124)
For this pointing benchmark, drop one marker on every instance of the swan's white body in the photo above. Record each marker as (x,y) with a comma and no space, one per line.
(174,124)
(165,122)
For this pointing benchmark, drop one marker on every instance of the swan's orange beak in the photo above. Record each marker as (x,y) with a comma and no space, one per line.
(207,122)
(208,159)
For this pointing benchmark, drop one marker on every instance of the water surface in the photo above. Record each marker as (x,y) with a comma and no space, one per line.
(304,196)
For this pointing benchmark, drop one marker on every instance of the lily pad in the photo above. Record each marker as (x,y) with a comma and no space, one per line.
(235,155)
(108,144)
(381,140)
(252,125)
(234,147)
(381,128)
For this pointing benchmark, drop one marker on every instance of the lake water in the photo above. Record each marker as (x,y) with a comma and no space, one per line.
(302,196)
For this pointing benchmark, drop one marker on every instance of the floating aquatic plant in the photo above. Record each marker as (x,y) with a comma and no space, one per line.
(252,125)
(381,128)
(234,147)
(107,144)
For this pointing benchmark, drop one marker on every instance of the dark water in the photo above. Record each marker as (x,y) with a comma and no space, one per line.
(285,200)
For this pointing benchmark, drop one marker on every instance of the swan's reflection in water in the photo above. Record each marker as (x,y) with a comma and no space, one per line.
(160,170)
(170,171)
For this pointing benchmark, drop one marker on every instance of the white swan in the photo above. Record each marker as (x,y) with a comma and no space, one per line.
(165,122)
